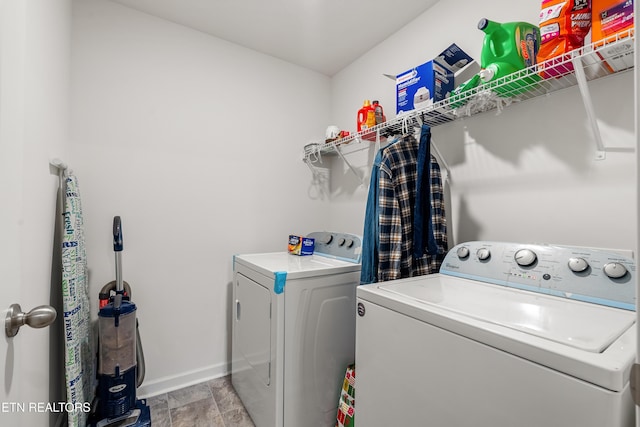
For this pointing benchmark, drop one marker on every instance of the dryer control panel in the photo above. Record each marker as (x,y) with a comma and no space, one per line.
(347,247)
(585,274)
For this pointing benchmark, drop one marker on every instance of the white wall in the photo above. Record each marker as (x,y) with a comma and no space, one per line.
(527,175)
(197,144)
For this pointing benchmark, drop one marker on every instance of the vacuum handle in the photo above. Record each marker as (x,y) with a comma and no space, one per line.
(117,234)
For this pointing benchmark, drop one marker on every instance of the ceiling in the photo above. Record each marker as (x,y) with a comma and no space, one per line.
(322,35)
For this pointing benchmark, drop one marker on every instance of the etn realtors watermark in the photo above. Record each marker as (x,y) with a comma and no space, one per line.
(29,407)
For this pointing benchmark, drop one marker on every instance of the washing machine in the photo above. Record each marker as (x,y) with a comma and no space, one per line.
(504,335)
(294,331)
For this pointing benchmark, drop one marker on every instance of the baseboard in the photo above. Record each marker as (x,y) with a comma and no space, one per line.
(175,382)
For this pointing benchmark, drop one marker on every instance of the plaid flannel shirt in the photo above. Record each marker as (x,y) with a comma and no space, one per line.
(396,198)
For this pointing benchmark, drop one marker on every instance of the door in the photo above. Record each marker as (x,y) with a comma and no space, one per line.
(12,29)
(252,321)
(252,356)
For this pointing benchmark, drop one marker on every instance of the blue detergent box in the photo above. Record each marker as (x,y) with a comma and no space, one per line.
(299,245)
(414,88)
(434,80)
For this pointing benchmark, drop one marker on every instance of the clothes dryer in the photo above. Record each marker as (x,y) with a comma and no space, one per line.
(294,331)
(505,335)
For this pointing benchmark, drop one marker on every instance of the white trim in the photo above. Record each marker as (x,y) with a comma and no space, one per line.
(185,379)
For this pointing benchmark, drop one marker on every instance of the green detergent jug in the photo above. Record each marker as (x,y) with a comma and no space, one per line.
(507,48)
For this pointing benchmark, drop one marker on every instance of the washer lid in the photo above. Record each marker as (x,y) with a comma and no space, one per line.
(588,341)
(584,326)
(295,266)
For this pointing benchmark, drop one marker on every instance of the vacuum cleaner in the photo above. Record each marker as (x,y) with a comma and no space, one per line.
(120,360)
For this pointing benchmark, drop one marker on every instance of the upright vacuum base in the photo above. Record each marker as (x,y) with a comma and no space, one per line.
(140,416)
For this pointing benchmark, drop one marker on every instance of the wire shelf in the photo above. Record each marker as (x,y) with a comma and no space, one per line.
(606,57)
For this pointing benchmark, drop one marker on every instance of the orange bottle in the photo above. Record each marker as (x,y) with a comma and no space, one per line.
(366,116)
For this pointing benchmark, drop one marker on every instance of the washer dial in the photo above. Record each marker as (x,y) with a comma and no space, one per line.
(614,270)
(463,252)
(578,265)
(328,238)
(483,254)
(525,257)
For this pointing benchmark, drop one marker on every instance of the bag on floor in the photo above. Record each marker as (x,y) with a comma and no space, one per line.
(346,405)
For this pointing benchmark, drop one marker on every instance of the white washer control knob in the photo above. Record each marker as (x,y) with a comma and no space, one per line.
(328,238)
(578,265)
(525,257)
(463,252)
(341,241)
(349,243)
(483,254)
(614,270)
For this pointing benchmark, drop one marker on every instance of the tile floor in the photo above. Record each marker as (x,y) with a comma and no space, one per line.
(212,403)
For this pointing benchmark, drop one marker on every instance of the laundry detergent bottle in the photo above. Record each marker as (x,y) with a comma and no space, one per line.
(366,116)
(379,113)
(507,48)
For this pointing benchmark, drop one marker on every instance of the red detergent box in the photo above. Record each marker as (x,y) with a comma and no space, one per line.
(299,245)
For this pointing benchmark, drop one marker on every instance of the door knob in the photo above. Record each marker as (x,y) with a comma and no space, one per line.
(39,317)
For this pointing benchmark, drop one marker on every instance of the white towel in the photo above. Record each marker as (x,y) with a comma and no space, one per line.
(79,353)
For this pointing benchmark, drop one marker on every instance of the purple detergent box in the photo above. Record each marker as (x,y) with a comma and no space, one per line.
(299,245)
